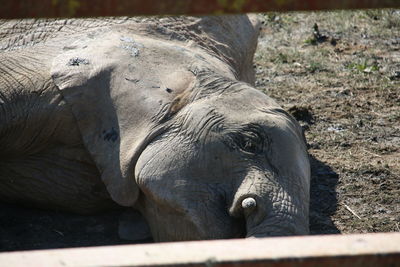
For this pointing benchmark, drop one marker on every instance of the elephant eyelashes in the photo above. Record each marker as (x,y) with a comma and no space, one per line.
(250,146)
(249,141)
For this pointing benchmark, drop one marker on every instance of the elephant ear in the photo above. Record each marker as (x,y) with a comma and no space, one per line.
(84,74)
(120,93)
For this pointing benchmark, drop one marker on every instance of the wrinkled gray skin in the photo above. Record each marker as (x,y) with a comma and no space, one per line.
(154,114)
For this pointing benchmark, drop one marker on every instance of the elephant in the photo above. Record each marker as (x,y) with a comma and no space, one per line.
(156,114)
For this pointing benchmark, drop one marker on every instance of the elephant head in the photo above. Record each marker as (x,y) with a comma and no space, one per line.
(176,136)
(231,163)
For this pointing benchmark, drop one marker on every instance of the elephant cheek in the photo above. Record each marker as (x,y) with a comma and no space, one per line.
(165,224)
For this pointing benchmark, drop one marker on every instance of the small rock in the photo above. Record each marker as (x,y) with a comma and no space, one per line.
(395,75)
(336,129)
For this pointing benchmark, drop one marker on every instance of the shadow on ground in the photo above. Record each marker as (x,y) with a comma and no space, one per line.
(26,228)
(323,201)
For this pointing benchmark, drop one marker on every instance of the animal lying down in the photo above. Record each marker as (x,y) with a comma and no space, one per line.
(157,114)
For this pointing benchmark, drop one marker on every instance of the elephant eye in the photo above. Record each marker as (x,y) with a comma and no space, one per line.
(249,146)
(251,142)
(249,139)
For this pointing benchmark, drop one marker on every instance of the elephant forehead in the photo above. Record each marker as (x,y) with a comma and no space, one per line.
(242,97)
(245,105)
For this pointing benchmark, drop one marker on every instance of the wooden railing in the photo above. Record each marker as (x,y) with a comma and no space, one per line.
(10,9)
(338,250)
(366,250)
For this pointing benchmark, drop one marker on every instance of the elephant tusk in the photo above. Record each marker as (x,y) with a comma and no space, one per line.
(249,203)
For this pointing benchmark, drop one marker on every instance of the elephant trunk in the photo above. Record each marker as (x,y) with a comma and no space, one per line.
(272,204)
(282,219)
(272,214)
(275,227)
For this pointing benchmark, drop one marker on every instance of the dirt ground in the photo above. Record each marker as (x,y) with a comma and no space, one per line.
(338,73)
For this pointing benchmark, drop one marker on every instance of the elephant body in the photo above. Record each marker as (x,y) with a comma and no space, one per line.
(157,114)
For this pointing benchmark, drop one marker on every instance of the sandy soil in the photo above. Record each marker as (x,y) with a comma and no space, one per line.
(338,73)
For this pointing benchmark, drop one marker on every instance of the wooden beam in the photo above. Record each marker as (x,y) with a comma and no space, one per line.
(11,9)
(331,250)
